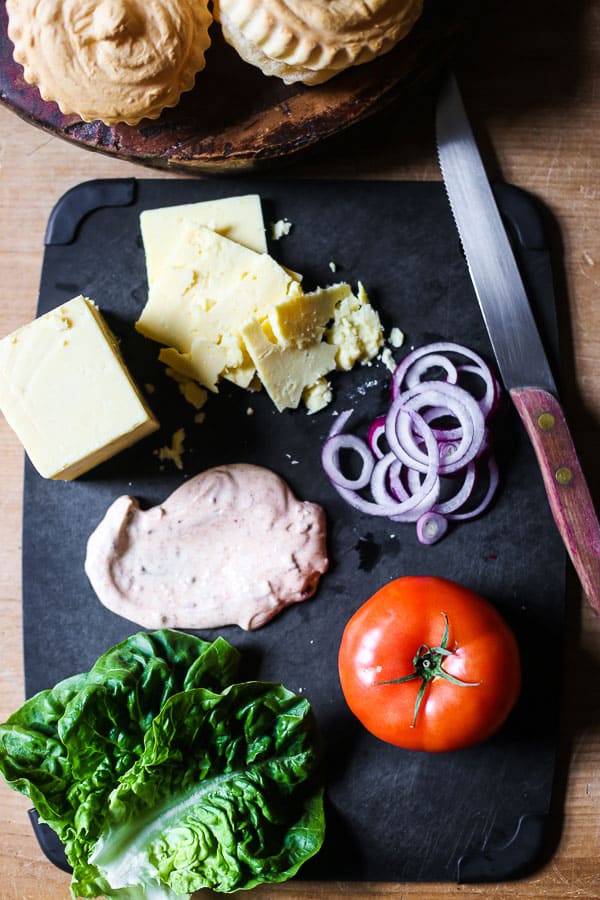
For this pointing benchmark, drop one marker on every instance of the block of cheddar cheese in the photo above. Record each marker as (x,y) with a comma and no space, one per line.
(66,392)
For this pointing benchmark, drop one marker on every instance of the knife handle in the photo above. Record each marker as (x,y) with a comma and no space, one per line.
(565,484)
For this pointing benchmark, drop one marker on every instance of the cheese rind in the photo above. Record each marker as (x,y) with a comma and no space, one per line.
(238,218)
(66,392)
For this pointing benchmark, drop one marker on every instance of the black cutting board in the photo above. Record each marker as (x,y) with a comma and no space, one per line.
(393,815)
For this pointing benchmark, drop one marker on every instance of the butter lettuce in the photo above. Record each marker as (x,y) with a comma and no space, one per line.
(162,776)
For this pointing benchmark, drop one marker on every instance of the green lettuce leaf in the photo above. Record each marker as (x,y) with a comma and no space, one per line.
(161,776)
(224,795)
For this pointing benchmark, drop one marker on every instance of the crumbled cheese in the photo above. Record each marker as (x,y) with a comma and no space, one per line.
(194,394)
(224,311)
(317,396)
(175,451)
(387,359)
(280,229)
(396,337)
(356,330)
(333,266)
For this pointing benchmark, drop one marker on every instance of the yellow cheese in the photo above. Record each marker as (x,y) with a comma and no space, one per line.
(211,288)
(301,320)
(280,229)
(286,371)
(66,392)
(356,331)
(174,453)
(207,362)
(317,396)
(201,301)
(194,394)
(238,218)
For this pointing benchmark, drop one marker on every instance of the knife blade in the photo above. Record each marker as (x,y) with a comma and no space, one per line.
(515,340)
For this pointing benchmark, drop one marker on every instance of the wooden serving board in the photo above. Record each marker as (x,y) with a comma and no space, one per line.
(236,118)
(392,815)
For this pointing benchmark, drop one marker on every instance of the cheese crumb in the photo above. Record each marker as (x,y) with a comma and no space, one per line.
(396,337)
(333,266)
(387,359)
(175,451)
(317,396)
(280,229)
(193,393)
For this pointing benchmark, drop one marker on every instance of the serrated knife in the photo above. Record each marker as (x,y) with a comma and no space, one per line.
(514,336)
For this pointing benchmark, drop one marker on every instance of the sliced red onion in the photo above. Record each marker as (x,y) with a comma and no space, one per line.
(459,404)
(397,487)
(488,402)
(330,457)
(431,526)
(462,495)
(440,348)
(376,432)
(494,478)
(420,367)
(436,434)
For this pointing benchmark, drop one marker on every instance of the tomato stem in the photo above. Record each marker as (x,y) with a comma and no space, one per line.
(427,663)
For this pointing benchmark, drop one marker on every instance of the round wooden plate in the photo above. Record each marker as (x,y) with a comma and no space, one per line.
(236,118)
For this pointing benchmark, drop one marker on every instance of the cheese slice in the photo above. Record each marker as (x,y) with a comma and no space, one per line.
(286,371)
(66,392)
(238,218)
(206,362)
(203,298)
(301,319)
(210,288)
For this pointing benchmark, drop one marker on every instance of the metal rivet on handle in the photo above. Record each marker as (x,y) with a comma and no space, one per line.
(563,475)
(546,421)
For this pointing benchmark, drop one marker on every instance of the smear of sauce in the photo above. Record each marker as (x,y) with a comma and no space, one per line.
(368,552)
(231,546)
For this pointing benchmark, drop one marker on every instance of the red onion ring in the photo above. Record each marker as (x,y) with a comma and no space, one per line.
(460,405)
(376,432)
(331,460)
(494,479)
(405,479)
(431,526)
(440,348)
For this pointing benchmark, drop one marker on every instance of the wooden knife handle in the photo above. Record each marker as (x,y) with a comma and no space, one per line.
(567,491)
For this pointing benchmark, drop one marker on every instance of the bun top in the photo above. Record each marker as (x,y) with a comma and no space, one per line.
(113,60)
(321,34)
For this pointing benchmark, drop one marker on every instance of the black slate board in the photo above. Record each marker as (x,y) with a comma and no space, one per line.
(476,815)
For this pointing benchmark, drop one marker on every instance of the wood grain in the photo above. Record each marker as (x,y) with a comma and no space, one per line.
(565,484)
(531,87)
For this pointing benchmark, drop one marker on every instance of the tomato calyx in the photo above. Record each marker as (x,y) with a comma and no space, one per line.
(427,663)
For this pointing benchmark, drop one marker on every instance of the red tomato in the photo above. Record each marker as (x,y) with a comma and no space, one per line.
(429,665)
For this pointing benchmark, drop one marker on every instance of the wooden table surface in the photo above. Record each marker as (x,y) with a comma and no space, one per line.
(531,82)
